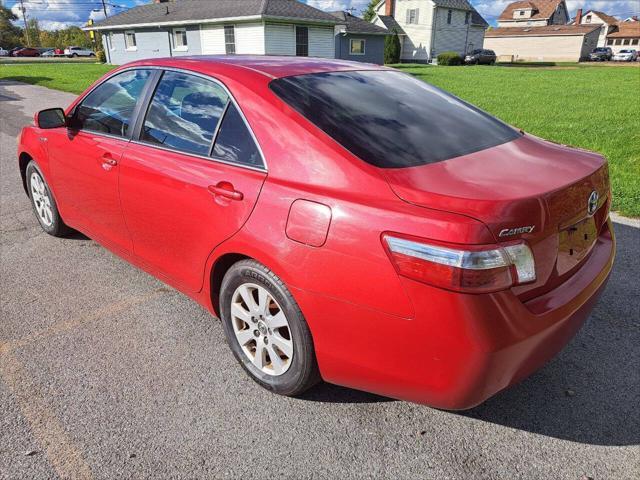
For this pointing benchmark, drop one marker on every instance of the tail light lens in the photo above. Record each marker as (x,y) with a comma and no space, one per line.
(472,269)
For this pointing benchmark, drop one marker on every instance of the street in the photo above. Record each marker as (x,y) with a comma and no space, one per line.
(105,372)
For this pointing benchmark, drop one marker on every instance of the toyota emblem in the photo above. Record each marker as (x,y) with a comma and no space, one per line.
(592,204)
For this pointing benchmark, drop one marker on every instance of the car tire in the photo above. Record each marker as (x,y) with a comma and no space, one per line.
(74,55)
(43,203)
(261,319)
(92,54)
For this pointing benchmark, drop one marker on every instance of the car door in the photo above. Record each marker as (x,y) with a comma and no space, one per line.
(191,178)
(84,159)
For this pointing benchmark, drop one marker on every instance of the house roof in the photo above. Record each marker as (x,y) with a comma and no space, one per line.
(391,24)
(359,25)
(605,18)
(197,11)
(626,30)
(542,9)
(547,30)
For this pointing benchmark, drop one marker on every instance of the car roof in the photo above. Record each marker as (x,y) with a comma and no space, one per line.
(269,66)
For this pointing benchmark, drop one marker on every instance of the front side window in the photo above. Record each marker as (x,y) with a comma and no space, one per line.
(410,123)
(109,108)
(180,39)
(357,47)
(229,39)
(184,113)
(130,40)
(302,41)
(234,142)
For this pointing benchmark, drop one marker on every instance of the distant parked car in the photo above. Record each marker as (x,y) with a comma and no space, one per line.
(78,52)
(48,53)
(26,52)
(601,54)
(480,56)
(626,55)
(13,51)
(3,52)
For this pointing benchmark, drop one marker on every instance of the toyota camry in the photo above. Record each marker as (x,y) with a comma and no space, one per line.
(346,222)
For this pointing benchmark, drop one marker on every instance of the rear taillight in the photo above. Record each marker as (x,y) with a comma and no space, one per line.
(473,269)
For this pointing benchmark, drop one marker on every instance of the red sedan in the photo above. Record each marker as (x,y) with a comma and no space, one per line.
(346,222)
(26,52)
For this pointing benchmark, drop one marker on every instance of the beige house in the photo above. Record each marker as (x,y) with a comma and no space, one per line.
(430,27)
(606,22)
(625,35)
(552,43)
(534,13)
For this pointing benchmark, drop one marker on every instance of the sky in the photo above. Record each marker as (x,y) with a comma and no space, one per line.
(53,14)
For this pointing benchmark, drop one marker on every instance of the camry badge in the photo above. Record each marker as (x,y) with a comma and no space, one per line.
(507,232)
(592,203)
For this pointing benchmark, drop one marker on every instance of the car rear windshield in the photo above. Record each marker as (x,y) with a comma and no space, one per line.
(390,119)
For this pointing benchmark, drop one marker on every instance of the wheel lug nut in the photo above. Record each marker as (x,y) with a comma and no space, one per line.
(256,333)
(266,340)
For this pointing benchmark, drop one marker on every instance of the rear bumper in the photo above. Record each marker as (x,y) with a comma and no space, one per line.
(460,349)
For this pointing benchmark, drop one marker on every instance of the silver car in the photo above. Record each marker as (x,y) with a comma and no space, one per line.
(72,52)
(626,55)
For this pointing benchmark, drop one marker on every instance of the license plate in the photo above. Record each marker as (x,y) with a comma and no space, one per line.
(576,242)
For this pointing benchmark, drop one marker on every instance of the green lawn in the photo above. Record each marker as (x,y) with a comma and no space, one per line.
(589,107)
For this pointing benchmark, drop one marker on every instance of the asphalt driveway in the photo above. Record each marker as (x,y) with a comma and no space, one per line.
(107,373)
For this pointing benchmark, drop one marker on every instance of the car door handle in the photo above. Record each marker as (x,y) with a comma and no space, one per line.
(108,162)
(227,190)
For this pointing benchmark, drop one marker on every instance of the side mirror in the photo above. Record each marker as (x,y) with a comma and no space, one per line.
(51,118)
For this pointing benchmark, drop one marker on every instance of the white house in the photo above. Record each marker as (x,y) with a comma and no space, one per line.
(197,27)
(430,27)
(606,22)
(534,13)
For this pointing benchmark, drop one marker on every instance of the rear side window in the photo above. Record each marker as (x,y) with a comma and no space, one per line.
(109,107)
(390,119)
(184,113)
(234,142)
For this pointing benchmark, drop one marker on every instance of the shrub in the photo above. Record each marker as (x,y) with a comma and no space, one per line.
(100,56)
(449,58)
(392,48)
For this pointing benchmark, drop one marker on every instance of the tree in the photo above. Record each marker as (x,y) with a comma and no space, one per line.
(10,35)
(392,48)
(32,33)
(370,12)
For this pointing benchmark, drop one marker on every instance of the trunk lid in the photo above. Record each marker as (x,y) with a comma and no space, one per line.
(515,186)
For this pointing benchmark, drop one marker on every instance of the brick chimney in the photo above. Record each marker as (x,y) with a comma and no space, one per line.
(389,7)
(578,16)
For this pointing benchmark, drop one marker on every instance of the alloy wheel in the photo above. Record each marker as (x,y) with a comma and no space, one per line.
(261,329)
(41,199)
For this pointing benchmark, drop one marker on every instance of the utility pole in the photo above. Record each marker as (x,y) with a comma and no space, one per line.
(104,9)
(24,18)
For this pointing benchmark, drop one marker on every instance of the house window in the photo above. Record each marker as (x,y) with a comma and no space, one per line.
(130,40)
(627,41)
(521,13)
(618,41)
(357,47)
(588,19)
(610,41)
(180,39)
(412,16)
(634,41)
(466,17)
(302,41)
(229,39)
(449,13)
